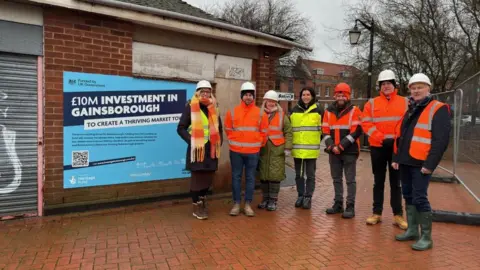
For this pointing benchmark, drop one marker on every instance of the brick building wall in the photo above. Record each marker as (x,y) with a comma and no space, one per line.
(82,42)
(264,72)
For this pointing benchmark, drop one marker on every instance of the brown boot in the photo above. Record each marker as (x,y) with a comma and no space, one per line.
(204,206)
(374,219)
(197,210)
(400,222)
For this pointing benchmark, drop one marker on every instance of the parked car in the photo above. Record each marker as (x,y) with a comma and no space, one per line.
(467,120)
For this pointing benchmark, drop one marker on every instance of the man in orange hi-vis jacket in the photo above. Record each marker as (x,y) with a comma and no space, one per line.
(380,117)
(341,127)
(246,130)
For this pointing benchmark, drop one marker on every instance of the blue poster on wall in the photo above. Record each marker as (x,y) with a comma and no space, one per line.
(122,129)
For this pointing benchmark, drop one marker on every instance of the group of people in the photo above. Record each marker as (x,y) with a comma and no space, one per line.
(407,135)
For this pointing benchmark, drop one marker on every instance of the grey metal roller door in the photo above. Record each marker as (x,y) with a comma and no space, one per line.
(18,134)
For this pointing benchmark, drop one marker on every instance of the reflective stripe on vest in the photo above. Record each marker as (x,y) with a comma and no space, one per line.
(336,128)
(275,129)
(206,130)
(382,119)
(306,133)
(422,133)
(246,136)
(232,112)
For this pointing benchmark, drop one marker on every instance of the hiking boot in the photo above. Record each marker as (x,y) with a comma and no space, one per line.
(197,212)
(337,208)
(248,210)
(307,203)
(272,204)
(349,211)
(412,230)
(374,219)
(400,222)
(425,242)
(299,201)
(235,210)
(203,207)
(263,204)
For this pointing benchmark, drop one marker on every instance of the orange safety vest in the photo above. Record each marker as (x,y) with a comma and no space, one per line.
(246,129)
(347,123)
(275,129)
(381,116)
(422,133)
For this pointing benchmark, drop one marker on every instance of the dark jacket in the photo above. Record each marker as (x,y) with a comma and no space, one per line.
(441,127)
(208,164)
(349,147)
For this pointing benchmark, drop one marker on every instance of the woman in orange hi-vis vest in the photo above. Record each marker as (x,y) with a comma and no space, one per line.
(246,130)
(421,139)
(380,117)
(272,155)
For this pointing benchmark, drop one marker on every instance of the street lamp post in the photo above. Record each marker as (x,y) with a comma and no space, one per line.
(354,36)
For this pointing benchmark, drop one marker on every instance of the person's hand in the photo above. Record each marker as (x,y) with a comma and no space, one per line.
(395,165)
(288,152)
(426,171)
(335,150)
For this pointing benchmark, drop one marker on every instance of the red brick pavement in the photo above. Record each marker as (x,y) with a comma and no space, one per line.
(166,236)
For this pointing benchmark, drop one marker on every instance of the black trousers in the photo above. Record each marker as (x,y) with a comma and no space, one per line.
(381,159)
(308,167)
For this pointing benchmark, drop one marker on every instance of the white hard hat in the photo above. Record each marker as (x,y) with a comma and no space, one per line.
(203,84)
(386,75)
(247,86)
(419,78)
(271,94)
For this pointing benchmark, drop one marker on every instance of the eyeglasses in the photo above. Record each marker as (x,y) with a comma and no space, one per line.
(205,92)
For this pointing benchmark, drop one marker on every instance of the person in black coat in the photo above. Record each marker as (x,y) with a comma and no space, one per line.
(201,128)
(421,140)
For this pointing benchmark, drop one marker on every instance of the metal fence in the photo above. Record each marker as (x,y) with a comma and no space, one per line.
(461,161)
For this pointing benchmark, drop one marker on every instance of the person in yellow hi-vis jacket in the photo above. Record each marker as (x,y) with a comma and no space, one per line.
(306,120)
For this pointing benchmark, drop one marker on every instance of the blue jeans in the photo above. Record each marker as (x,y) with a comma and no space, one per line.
(415,187)
(238,161)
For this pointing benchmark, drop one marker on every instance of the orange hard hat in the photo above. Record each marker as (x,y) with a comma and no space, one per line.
(343,88)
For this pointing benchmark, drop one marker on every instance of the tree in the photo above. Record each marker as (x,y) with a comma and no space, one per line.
(275,17)
(422,36)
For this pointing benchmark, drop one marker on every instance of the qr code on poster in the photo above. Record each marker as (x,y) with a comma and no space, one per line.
(79,158)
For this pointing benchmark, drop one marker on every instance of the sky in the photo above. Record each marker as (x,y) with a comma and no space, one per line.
(328,18)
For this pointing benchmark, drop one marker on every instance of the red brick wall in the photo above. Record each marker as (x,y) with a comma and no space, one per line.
(82,42)
(264,72)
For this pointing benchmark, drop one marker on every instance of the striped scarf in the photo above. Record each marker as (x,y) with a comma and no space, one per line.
(197,153)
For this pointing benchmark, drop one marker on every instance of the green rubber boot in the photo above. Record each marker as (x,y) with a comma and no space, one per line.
(412,231)
(425,242)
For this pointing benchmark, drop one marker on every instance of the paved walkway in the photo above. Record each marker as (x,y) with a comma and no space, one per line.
(166,236)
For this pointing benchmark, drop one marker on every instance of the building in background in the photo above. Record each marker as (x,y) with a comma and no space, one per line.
(91,91)
(321,76)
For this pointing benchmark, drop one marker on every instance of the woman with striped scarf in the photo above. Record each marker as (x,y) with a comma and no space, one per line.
(201,128)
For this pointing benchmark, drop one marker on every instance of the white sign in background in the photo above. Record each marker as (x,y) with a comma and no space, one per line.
(286,96)
(230,67)
(166,62)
